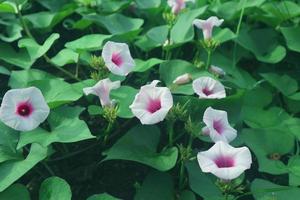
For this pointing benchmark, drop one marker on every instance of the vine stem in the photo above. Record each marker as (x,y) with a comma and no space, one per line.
(28,33)
(237,32)
(208,61)
(170,125)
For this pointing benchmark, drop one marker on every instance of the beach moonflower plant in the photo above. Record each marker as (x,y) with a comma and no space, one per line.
(178,5)
(217,126)
(183,79)
(224,161)
(207,25)
(24,109)
(208,88)
(152,103)
(117,58)
(102,90)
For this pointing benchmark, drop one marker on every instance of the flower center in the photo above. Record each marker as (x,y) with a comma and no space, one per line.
(154,105)
(117,59)
(224,162)
(206,91)
(218,126)
(24,109)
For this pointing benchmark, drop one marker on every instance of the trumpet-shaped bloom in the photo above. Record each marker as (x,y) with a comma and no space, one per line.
(183,79)
(152,103)
(217,70)
(178,5)
(225,161)
(208,25)
(217,125)
(24,109)
(209,88)
(102,90)
(117,58)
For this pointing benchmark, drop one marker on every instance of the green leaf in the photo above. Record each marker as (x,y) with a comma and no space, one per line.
(21,58)
(116,23)
(95,110)
(8,7)
(170,70)
(146,4)
(262,96)
(223,35)
(142,66)
(34,49)
(201,183)
(284,83)
(158,186)
(294,170)
(102,197)
(12,170)
(139,144)
(22,78)
(15,192)
(12,30)
(66,127)
(124,97)
(291,35)
(267,142)
(155,37)
(57,92)
(8,143)
(90,42)
(46,20)
(4,71)
(187,195)
(265,190)
(55,188)
(263,43)
(64,57)
(183,30)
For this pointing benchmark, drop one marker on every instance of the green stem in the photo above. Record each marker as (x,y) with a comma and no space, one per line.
(181,175)
(208,61)
(51,172)
(170,127)
(237,32)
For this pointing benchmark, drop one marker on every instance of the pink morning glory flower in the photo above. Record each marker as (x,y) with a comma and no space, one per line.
(217,125)
(183,79)
(178,5)
(102,90)
(208,25)
(117,58)
(152,103)
(225,161)
(24,109)
(208,88)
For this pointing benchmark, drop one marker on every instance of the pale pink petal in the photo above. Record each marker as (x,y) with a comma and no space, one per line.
(152,103)
(225,161)
(208,88)
(102,90)
(24,109)
(207,25)
(217,123)
(117,58)
(183,79)
(217,70)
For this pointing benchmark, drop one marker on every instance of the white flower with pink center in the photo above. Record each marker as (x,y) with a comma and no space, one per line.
(225,161)
(208,25)
(24,109)
(217,126)
(102,90)
(152,103)
(208,88)
(178,5)
(183,79)
(117,58)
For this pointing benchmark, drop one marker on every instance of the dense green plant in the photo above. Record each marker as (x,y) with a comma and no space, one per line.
(88,152)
